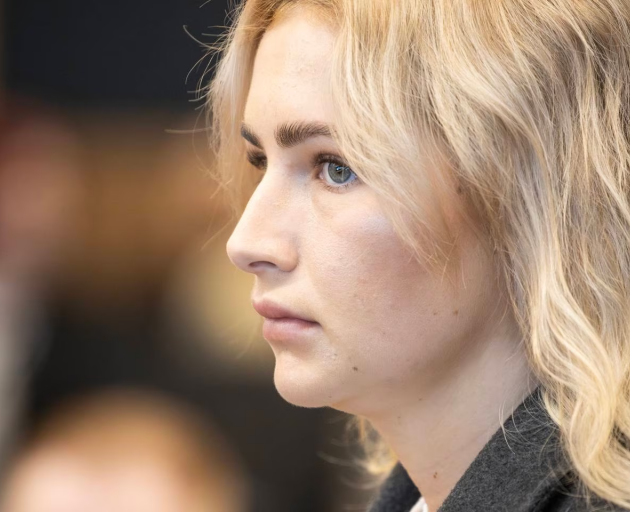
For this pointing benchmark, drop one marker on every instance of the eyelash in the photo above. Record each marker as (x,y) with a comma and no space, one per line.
(259,161)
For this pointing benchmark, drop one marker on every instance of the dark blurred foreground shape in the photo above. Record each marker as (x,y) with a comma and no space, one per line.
(115,275)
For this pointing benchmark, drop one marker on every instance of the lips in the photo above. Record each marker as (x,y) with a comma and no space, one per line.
(282,324)
(274,311)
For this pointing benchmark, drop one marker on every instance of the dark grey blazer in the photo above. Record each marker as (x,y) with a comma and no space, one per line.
(519,471)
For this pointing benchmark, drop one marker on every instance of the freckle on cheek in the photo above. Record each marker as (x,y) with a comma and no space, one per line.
(355,368)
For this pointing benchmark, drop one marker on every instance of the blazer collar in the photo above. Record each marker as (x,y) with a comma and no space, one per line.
(522,462)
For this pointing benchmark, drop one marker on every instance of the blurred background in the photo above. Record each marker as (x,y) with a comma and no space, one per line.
(132,371)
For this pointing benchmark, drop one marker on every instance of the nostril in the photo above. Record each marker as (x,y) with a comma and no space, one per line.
(257,266)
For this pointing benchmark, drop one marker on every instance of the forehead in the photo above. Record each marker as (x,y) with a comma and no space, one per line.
(291,75)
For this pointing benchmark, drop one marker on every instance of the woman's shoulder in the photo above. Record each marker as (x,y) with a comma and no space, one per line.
(399,494)
(568,498)
(521,469)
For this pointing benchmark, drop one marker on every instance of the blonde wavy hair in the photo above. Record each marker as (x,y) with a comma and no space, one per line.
(529,103)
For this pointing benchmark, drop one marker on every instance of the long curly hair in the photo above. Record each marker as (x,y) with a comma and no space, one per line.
(529,102)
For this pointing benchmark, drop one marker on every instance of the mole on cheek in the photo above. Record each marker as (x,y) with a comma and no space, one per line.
(355,368)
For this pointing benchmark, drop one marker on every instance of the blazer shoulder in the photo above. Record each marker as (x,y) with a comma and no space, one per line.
(568,500)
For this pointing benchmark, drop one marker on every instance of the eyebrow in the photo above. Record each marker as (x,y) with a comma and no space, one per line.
(288,135)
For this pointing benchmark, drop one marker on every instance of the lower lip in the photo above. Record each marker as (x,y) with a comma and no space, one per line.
(287,329)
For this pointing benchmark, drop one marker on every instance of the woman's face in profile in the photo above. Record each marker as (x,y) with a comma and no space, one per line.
(355,322)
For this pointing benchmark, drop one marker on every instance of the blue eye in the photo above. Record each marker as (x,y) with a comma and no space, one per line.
(337,174)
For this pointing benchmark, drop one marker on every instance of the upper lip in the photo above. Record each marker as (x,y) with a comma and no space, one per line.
(269,309)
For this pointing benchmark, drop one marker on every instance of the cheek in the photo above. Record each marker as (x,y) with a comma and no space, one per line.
(382,312)
(365,279)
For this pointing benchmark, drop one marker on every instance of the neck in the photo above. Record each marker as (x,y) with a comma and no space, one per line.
(438,436)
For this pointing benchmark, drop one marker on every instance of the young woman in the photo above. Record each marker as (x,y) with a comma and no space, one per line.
(440,235)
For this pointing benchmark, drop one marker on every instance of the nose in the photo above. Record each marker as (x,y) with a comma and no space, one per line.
(264,239)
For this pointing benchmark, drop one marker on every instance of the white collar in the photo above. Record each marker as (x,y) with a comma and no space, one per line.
(421,506)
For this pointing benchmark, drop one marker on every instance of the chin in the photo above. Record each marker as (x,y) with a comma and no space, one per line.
(302,385)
